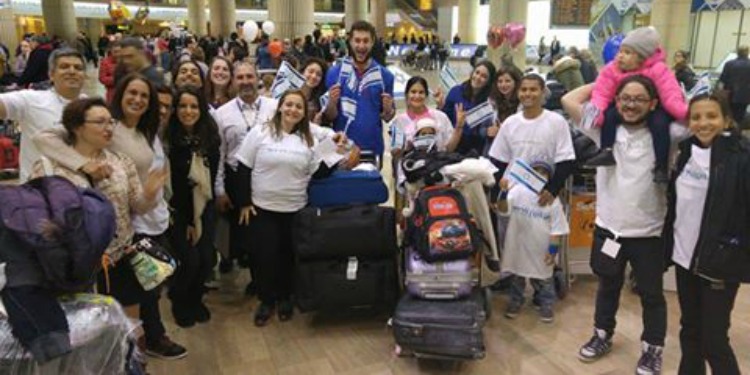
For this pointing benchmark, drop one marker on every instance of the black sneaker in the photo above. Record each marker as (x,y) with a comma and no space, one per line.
(202,313)
(598,346)
(183,315)
(513,309)
(605,158)
(263,314)
(165,348)
(286,310)
(650,362)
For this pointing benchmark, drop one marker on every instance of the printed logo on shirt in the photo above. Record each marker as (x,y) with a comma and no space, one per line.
(531,213)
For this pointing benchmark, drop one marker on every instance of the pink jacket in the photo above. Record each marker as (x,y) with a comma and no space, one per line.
(670,93)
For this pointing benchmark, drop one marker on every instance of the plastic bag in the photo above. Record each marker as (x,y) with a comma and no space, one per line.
(100,335)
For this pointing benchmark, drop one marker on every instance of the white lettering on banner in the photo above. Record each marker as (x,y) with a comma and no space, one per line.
(286,78)
(479,115)
(460,51)
(522,173)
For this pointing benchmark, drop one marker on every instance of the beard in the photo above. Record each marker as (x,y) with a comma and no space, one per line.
(247,90)
(637,121)
(357,60)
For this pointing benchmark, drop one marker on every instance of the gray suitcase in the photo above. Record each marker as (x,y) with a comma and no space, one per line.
(449,329)
(438,280)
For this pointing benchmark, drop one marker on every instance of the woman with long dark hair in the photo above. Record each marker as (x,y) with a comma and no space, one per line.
(276,162)
(194,158)
(706,233)
(465,96)
(314,70)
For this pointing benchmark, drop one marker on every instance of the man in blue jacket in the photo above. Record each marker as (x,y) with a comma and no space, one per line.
(366,91)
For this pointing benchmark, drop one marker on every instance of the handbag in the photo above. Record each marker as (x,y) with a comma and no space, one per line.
(151,263)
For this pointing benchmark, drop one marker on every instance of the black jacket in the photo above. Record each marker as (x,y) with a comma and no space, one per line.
(736,79)
(180,158)
(723,248)
(686,76)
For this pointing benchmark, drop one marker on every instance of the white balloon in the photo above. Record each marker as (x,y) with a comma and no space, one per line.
(269,27)
(250,29)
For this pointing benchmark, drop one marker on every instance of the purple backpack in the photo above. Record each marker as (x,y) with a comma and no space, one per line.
(68,228)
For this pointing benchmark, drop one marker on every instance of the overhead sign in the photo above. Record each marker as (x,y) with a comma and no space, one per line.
(457,51)
(566,13)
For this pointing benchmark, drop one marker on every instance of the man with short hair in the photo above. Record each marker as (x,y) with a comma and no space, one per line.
(736,79)
(133,58)
(374,98)
(38,110)
(630,212)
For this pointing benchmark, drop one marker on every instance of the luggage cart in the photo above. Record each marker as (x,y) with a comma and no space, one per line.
(579,200)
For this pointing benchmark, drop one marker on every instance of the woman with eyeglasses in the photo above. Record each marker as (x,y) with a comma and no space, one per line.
(193,138)
(89,131)
(135,109)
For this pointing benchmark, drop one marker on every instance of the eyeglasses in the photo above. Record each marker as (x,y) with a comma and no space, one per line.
(103,123)
(627,100)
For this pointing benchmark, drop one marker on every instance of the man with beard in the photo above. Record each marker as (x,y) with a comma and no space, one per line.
(235,119)
(630,211)
(38,110)
(368,84)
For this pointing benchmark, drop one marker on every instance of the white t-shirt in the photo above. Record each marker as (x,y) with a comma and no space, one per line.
(527,238)
(545,138)
(691,188)
(628,201)
(282,168)
(34,111)
(156,221)
(234,119)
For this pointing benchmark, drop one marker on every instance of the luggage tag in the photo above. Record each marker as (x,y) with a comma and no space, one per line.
(611,248)
(351,268)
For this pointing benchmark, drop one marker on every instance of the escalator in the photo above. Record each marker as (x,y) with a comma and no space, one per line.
(409,11)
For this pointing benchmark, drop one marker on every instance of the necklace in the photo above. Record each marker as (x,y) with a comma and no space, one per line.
(249,124)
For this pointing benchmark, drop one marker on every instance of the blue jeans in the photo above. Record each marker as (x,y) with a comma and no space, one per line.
(544,291)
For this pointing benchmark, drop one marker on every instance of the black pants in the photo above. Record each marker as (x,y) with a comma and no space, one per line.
(38,321)
(646,257)
(739,111)
(194,262)
(272,254)
(149,311)
(658,125)
(706,312)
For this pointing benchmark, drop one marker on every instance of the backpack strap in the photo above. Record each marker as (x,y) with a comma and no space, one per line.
(49,170)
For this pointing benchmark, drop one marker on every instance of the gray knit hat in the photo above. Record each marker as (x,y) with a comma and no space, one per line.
(644,40)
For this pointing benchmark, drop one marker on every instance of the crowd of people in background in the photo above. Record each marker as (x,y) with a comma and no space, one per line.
(208,145)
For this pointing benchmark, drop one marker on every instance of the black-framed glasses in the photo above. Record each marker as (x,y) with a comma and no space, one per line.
(103,123)
(625,99)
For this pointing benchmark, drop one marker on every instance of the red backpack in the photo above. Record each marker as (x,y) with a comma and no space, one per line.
(441,227)
(8,154)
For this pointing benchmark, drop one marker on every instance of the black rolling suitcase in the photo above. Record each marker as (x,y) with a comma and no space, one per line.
(440,329)
(364,231)
(346,283)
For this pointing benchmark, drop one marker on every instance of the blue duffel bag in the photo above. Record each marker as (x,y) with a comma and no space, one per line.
(346,188)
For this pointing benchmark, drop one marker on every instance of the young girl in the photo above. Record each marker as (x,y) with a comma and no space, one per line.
(640,53)
(531,244)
